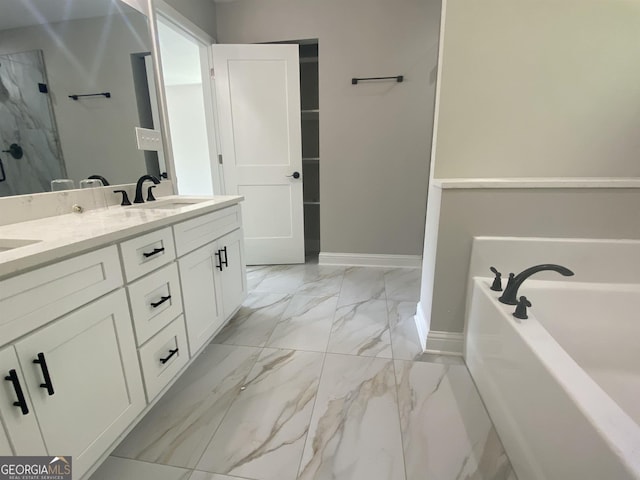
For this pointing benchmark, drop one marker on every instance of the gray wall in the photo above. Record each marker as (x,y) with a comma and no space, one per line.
(375,139)
(200,12)
(530,88)
(539,89)
(569,213)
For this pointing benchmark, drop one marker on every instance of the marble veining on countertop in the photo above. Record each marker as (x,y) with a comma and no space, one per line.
(74,233)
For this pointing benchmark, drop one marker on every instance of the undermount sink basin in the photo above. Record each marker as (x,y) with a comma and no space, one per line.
(170,203)
(11,243)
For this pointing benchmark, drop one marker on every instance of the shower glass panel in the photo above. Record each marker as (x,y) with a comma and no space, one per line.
(26,120)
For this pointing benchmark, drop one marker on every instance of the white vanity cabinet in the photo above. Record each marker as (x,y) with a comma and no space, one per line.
(16,409)
(5,447)
(87,344)
(213,276)
(83,378)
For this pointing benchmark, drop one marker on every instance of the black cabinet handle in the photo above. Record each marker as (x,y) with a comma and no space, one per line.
(45,374)
(155,252)
(219,255)
(22,403)
(160,302)
(171,354)
(224,262)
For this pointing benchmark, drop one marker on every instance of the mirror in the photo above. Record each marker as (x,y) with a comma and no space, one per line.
(75,77)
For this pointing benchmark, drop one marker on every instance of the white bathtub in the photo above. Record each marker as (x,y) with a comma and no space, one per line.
(563,387)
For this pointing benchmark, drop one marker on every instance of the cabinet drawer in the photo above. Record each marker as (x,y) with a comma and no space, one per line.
(32,299)
(145,253)
(163,356)
(201,230)
(155,300)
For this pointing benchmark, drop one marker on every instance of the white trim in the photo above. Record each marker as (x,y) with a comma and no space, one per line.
(537,182)
(370,260)
(421,325)
(445,343)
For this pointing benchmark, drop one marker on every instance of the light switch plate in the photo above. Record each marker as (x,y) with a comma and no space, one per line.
(149,139)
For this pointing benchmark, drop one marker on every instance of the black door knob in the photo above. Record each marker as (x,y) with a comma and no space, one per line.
(295,175)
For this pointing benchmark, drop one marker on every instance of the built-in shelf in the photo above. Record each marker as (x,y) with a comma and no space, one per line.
(310,114)
(308,59)
(310,159)
(312,203)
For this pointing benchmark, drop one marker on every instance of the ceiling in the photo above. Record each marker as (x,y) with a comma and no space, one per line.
(23,13)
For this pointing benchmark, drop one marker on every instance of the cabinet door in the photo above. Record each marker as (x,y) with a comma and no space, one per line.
(21,424)
(233,278)
(87,388)
(203,310)
(5,447)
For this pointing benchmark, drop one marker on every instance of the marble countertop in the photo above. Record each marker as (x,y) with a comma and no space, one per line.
(74,233)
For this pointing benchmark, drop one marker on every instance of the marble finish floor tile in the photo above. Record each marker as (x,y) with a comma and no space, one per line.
(306,324)
(256,319)
(125,469)
(199,475)
(447,434)
(355,430)
(361,284)
(282,279)
(263,433)
(441,359)
(319,280)
(361,329)
(405,342)
(402,284)
(256,274)
(177,429)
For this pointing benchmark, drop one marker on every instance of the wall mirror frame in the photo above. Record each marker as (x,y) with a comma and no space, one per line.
(107,46)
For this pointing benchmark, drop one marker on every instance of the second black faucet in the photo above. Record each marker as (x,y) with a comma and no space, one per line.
(141,180)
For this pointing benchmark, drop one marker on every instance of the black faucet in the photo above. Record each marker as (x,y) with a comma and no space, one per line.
(511,292)
(141,180)
(101,178)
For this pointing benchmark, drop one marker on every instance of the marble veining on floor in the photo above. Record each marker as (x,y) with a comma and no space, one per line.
(319,376)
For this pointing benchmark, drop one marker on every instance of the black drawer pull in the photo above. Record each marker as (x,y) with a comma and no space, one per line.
(219,255)
(160,302)
(171,354)
(155,252)
(22,403)
(45,373)
(226,258)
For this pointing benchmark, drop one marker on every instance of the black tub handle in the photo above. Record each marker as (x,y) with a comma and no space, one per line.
(22,403)
(45,373)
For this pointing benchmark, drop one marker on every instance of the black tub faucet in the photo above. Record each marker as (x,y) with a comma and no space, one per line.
(141,180)
(511,292)
(101,178)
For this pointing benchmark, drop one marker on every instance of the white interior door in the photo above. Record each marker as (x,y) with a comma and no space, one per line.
(258,99)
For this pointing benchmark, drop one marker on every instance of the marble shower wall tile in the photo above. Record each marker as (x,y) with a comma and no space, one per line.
(125,469)
(263,433)
(321,280)
(405,342)
(177,429)
(403,284)
(256,319)
(361,284)
(447,434)
(355,431)
(306,324)
(361,329)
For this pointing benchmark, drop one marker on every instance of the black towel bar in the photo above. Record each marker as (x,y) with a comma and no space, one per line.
(398,78)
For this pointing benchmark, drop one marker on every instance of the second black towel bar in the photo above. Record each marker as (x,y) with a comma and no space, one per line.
(397,78)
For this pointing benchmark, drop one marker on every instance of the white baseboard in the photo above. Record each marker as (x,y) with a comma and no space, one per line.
(445,343)
(370,260)
(421,325)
